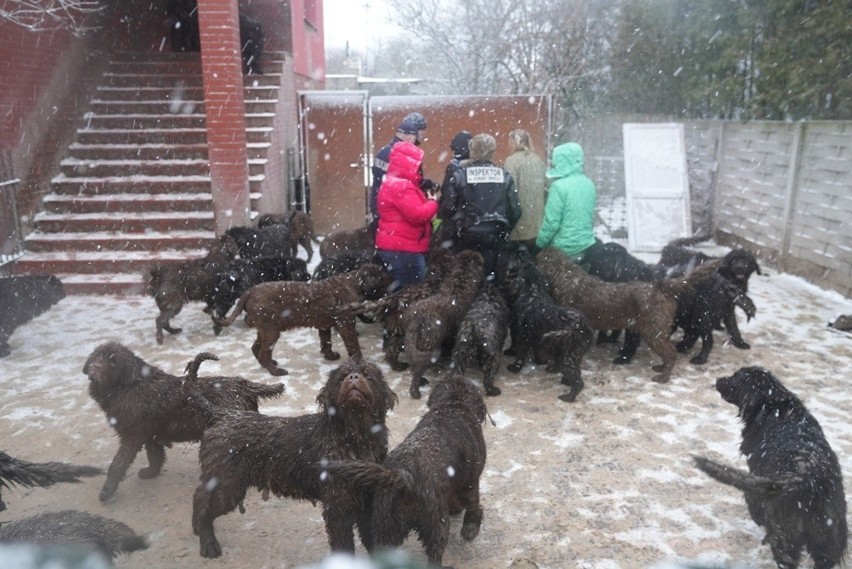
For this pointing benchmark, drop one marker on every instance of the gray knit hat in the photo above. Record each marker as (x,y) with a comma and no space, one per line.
(482,147)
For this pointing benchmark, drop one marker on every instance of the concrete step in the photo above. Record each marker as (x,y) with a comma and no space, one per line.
(73,167)
(154,67)
(132,203)
(189,80)
(150,241)
(125,221)
(173,107)
(155,151)
(144,121)
(140,136)
(62,184)
(140,93)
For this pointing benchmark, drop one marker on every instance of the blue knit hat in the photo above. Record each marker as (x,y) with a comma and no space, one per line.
(412,124)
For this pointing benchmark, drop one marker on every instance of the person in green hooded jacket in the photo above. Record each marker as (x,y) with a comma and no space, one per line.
(569,213)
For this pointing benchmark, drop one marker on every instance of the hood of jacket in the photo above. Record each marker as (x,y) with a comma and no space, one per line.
(567,160)
(404,162)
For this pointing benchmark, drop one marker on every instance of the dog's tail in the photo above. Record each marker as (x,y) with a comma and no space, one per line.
(263,391)
(688,241)
(679,285)
(739,479)
(368,476)
(238,309)
(23,473)
(191,369)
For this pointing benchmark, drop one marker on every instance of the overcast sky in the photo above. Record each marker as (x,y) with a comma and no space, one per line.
(354,21)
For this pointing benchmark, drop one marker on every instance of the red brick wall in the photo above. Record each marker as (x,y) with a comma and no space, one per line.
(224,103)
(27,63)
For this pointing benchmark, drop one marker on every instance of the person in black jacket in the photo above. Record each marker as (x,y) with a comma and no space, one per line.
(484,202)
(446,233)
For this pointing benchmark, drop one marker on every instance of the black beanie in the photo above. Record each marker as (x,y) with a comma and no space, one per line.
(459,145)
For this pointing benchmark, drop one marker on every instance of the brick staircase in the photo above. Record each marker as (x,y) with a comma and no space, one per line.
(134,187)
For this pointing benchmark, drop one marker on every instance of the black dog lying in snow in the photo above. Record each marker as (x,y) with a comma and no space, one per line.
(794,487)
(22,299)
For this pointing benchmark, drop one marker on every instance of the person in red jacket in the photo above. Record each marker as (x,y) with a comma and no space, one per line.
(405,216)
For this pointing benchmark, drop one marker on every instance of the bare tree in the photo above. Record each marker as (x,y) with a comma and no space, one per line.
(44,15)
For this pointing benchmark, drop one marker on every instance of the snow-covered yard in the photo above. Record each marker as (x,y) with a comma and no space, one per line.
(606,482)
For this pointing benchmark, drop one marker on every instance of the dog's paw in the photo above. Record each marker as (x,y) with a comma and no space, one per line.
(515,367)
(510,351)
(470,531)
(492,390)
(278,371)
(415,392)
(106,494)
(742,345)
(698,360)
(210,548)
(331,356)
(148,472)
(661,377)
(399,366)
(622,360)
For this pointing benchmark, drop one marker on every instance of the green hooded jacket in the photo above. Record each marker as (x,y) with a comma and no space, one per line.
(569,214)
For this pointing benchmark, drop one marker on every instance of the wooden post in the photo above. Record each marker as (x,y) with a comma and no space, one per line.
(221,65)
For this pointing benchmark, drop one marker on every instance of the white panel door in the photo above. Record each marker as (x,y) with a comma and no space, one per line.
(657,185)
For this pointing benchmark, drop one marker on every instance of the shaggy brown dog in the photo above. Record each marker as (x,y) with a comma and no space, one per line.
(352,240)
(391,308)
(794,487)
(301,229)
(482,334)
(280,455)
(20,472)
(172,286)
(23,298)
(149,408)
(77,529)
(558,334)
(275,307)
(432,474)
(647,309)
(433,321)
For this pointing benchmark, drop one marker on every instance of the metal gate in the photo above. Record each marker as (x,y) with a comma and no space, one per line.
(342,130)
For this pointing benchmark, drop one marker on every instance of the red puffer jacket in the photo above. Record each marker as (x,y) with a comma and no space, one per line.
(405,213)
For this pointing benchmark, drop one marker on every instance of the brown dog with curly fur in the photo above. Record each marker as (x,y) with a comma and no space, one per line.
(275,307)
(647,310)
(432,474)
(172,286)
(280,455)
(359,239)
(434,320)
(150,408)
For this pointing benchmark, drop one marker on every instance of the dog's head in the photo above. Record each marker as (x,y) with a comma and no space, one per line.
(738,265)
(357,393)
(456,390)
(109,367)
(373,280)
(753,389)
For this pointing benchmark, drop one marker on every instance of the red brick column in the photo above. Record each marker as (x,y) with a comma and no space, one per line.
(226,120)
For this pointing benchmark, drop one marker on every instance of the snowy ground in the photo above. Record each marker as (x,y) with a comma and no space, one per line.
(606,482)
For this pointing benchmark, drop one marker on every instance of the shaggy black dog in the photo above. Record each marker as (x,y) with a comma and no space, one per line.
(76,529)
(270,241)
(301,228)
(22,299)
(14,471)
(360,239)
(432,474)
(539,326)
(794,487)
(612,263)
(481,335)
(343,263)
(280,455)
(241,274)
(712,300)
(677,252)
(149,408)
(432,322)
(172,286)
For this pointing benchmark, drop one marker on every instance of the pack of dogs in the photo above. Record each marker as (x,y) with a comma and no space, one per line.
(442,332)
